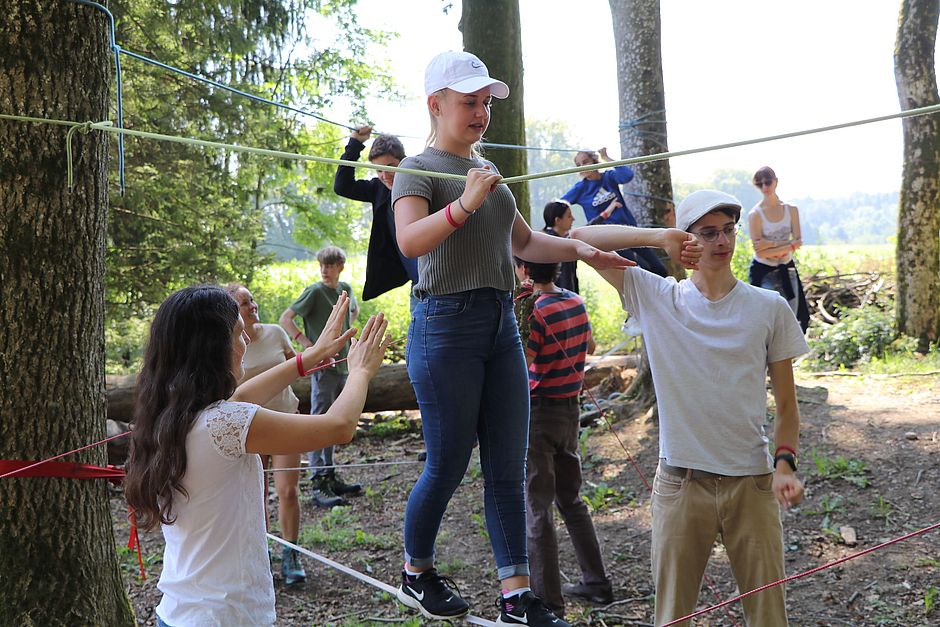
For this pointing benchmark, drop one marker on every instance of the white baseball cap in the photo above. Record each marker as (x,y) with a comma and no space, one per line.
(697,204)
(463,72)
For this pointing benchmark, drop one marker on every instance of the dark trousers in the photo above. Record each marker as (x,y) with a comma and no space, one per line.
(553,474)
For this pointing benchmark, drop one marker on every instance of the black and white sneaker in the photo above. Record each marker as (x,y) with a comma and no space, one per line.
(527,609)
(433,595)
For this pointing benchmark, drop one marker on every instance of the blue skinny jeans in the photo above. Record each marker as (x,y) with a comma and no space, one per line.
(466,363)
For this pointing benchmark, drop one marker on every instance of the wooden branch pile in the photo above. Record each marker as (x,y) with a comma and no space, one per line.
(827,294)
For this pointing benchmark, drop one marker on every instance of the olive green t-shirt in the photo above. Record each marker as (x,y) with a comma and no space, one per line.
(478,254)
(315,305)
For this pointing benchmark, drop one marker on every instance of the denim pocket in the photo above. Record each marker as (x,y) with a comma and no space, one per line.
(446,306)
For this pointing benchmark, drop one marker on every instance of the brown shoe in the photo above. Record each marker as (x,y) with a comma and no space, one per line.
(600,593)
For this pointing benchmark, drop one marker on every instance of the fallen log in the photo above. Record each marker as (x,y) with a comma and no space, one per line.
(390,389)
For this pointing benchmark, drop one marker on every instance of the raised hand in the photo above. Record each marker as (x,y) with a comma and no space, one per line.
(368,351)
(480,182)
(362,133)
(333,338)
(682,247)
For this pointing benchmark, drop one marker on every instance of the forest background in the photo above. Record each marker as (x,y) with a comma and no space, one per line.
(193,216)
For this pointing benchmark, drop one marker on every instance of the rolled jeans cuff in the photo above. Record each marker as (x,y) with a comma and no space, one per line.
(513,570)
(419,562)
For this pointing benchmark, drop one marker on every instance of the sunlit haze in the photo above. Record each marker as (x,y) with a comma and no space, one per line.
(733,70)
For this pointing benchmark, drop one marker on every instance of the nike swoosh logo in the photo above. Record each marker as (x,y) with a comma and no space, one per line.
(420,597)
(523,619)
(475,65)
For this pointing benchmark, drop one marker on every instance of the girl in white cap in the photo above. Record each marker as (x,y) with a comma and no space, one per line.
(465,358)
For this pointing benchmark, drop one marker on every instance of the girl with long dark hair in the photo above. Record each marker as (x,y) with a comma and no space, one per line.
(193,466)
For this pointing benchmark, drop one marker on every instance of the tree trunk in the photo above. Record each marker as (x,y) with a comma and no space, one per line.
(918,246)
(58,565)
(637,40)
(492,30)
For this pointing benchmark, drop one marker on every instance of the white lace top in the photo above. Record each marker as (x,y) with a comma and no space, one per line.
(215,565)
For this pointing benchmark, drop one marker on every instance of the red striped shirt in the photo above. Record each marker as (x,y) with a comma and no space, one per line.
(559,335)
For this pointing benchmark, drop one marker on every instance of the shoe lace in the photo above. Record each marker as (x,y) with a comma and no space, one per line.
(447,582)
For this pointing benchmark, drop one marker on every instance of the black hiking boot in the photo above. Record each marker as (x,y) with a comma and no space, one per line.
(323,496)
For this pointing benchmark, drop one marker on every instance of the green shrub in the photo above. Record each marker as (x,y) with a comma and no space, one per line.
(124,341)
(860,334)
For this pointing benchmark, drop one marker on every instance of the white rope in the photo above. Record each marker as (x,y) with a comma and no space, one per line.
(372,581)
(308,467)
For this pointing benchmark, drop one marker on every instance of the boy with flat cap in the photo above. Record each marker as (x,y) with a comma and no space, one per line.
(711,340)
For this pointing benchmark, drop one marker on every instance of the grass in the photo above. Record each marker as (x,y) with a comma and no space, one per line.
(340,530)
(902,363)
(600,496)
(853,471)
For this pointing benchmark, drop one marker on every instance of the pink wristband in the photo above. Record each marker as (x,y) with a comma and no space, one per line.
(300,365)
(298,334)
(450,218)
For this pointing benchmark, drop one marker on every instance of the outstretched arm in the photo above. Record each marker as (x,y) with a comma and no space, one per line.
(276,432)
(540,247)
(262,388)
(681,247)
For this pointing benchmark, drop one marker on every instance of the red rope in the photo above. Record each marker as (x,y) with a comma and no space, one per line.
(806,573)
(44,461)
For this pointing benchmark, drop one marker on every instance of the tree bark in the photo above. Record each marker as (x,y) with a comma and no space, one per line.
(492,30)
(637,41)
(918,246)
(58,565)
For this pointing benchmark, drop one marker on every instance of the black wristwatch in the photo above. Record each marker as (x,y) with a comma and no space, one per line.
(789,458)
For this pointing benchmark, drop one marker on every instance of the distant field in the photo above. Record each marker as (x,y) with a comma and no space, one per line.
(276,286)
(845,258)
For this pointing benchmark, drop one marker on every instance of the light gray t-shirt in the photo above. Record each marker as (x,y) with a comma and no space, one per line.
(709,362)
(479,254)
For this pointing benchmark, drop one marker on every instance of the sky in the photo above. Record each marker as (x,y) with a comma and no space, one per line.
(733,70)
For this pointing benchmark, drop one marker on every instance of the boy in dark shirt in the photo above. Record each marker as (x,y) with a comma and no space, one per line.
(386,266)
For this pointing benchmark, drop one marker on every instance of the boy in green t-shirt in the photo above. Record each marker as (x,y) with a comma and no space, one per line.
(314,306)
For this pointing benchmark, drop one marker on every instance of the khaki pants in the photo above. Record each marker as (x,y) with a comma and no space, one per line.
(688,514)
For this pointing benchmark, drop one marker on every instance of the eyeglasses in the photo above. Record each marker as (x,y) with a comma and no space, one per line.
(765,182)
(711,235)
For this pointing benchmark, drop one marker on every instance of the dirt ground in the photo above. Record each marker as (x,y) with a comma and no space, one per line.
(870,460)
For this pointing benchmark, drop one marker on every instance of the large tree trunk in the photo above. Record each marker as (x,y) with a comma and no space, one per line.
(57,560)
(492,30)
(637,39)
(918,247)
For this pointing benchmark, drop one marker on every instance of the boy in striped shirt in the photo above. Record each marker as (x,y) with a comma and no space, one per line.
(559,339)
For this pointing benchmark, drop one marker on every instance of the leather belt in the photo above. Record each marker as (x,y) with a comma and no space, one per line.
(677,471)
(565,401)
